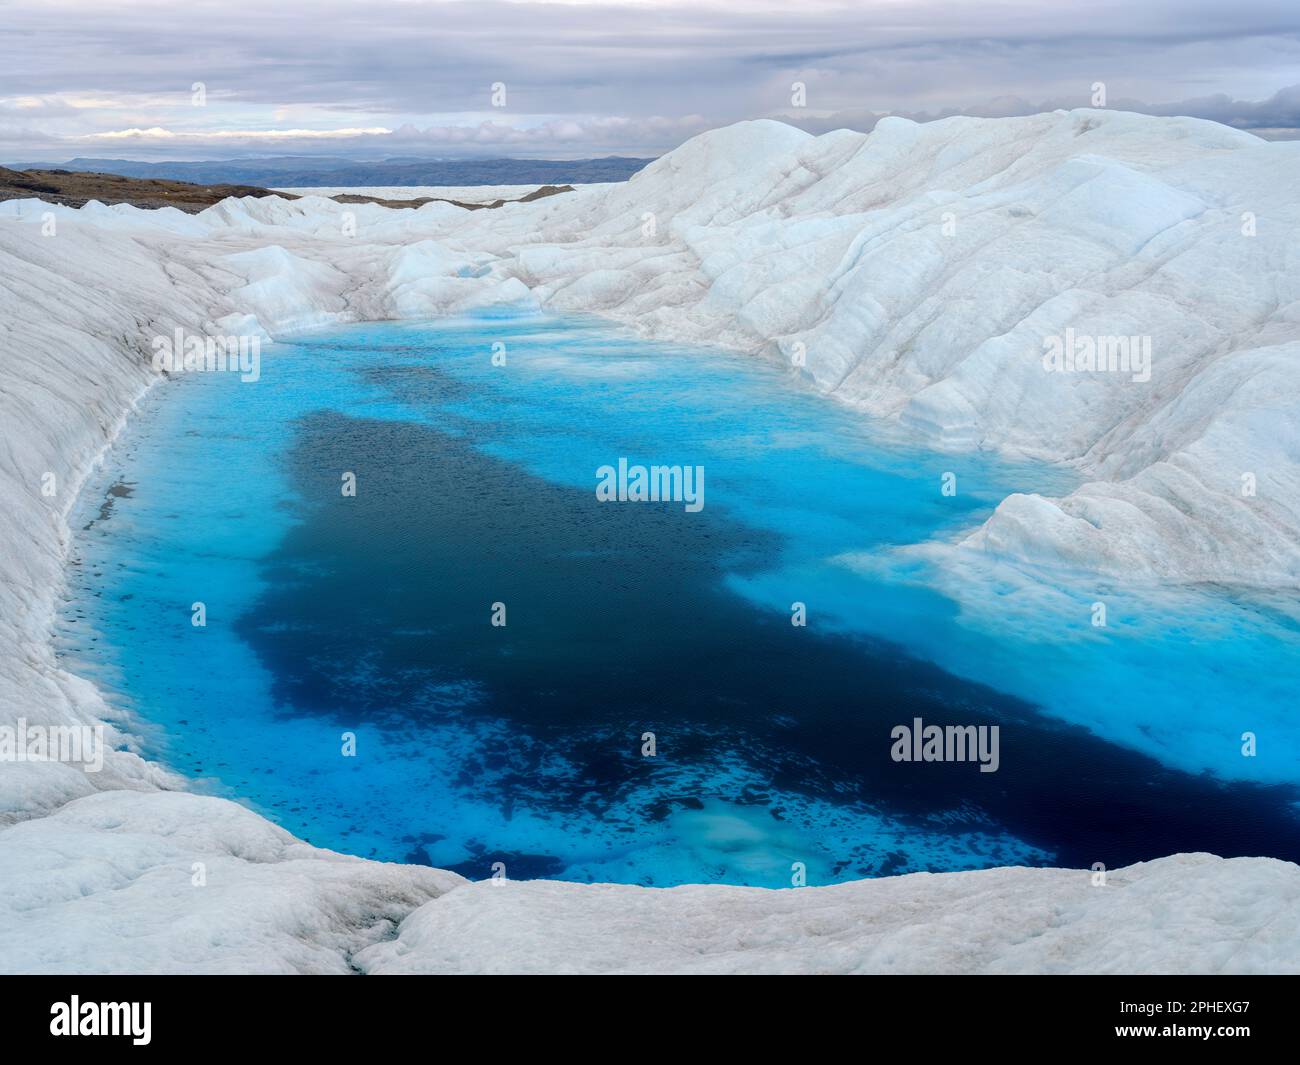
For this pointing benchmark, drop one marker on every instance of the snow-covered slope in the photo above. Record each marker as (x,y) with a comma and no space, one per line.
(914,272)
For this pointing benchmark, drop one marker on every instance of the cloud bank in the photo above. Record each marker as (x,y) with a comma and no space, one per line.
(341,77)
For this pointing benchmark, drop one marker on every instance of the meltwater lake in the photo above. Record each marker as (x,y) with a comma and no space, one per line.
(371,615)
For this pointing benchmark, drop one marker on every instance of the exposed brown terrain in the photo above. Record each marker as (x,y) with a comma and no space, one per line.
(77,188)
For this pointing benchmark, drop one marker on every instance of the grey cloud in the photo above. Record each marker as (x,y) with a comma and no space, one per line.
(1280,112)
(571,66)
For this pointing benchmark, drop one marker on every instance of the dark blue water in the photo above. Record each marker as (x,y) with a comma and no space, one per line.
(372,615)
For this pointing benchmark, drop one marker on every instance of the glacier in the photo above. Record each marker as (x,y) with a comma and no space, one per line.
(911,273)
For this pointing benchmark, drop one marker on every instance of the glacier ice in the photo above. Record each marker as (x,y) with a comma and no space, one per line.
(912,273)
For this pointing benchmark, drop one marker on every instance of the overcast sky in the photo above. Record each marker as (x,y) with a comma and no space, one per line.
(415,77)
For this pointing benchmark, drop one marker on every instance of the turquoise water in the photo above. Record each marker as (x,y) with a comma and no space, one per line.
(369,616)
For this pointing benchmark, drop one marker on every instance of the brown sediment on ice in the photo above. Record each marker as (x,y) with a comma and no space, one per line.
(537,194)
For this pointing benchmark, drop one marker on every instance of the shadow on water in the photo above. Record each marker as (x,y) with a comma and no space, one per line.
(619,623)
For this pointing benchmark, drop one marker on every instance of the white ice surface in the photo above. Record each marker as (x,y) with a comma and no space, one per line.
(919,267)
(1186,913)
(169,882)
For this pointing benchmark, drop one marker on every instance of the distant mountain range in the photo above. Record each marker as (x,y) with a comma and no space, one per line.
(293,171)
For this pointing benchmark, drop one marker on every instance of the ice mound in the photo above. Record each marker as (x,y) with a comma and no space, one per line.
(168,882)
(286,292)
(1188,913)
